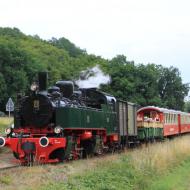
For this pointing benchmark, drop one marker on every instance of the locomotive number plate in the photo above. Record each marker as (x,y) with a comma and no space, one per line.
(36,104)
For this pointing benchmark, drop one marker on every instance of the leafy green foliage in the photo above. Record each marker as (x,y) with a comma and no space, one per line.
(21,57)
(64,43)
(171,89)
(146,84)
(187,106)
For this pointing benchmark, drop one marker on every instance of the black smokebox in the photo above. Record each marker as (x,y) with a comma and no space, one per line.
(42,80)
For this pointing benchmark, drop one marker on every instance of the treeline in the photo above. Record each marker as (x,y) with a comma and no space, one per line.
(146,84)
(22,56)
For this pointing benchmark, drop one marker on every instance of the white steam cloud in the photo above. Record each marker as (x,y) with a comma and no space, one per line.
(92,78)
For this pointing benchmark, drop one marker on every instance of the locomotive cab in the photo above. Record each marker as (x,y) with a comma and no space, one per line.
(96,99)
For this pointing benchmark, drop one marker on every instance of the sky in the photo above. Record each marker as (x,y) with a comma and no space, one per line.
(146,31)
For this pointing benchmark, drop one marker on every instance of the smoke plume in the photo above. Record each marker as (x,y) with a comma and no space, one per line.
(92,78)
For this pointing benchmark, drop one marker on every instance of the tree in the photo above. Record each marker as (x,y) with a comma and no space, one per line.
(13,78)
(171,89)
(64,43)
(187,106)
(122,78)
(146,84)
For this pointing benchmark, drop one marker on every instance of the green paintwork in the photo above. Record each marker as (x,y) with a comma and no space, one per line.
(150,133)
(71,117)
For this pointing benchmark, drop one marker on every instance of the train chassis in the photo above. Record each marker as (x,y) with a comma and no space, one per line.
(75,144)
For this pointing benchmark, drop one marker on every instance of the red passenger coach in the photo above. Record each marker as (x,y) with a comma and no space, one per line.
(173,122)
(184,122)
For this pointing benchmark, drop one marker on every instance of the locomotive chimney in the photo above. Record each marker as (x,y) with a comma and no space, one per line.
(42,80)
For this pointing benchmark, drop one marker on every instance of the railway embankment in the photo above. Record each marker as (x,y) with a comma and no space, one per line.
(163,165)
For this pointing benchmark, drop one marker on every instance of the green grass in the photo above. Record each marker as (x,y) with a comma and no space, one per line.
(6,180)
(122,176)
(163,166)
(108,176)
(4,123)
(176,179)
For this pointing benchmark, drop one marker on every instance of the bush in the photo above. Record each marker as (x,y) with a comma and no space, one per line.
(2,114)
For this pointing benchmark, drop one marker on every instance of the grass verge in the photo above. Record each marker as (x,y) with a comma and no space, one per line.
(138,170)
(5,122)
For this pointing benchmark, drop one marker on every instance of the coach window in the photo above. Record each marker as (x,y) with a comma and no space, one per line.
(169,118)
(166,117)
(175,118)
(182,119)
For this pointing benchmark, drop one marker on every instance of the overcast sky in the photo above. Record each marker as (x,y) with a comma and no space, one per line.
(146,31)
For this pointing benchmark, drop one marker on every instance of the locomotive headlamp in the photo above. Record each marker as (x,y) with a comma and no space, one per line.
(8,131)
(58,130)
(2,141)
(34,87)
(44,141)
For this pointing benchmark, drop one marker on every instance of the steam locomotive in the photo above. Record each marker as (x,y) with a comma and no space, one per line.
(60,123)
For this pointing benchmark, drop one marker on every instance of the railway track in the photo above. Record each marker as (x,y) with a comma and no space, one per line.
(8,167)
(6,161)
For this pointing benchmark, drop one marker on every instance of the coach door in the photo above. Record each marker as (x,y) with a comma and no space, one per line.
(132,120)
(122,121)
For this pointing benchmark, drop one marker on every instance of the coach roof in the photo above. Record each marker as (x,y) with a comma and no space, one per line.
(163,110)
